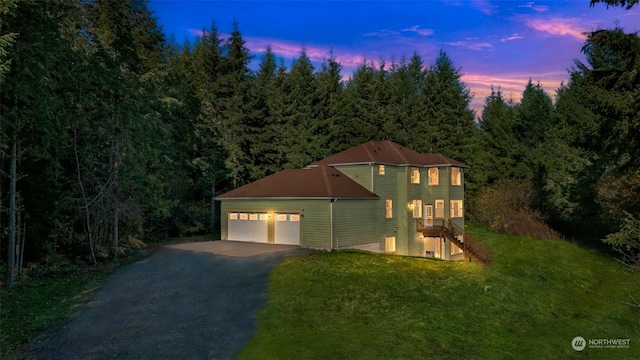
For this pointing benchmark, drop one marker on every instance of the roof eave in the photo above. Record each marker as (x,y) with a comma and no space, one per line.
(301,198)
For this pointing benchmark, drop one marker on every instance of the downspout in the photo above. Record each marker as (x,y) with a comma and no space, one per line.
(372,178)
(331,223)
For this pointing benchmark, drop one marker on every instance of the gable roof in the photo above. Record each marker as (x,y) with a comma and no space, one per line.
(320,182)
(387,152)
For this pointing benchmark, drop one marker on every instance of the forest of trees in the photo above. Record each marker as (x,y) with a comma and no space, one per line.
(112,136)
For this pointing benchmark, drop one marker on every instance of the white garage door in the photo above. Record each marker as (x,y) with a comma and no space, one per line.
(248,227)
(287,229)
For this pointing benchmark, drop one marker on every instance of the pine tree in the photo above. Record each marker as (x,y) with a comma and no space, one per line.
(497,137)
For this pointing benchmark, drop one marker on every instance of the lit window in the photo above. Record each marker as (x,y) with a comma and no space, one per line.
(253,216)
(455,249)
(389,208)
(244,216)
(281,217)
(415,176)
(233,216)
(456,208)
(294,217)
(417,208)
(433,176)
(381,169)
(455,176)
(264,216)
(440,209)
(390,244)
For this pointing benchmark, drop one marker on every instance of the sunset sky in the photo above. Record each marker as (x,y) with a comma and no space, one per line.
(499,43)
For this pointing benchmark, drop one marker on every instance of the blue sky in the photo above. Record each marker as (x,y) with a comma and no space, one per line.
(499,43)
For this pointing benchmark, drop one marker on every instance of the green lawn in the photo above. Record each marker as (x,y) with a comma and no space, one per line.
(31,307)
(536,298)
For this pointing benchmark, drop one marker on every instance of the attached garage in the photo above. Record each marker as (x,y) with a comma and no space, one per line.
(287,229)
(251,227)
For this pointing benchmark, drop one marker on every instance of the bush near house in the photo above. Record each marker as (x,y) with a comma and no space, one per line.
(531,303)
(506,207)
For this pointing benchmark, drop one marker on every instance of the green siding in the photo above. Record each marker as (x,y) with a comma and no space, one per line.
(359,173)
(357,222)
(314,222)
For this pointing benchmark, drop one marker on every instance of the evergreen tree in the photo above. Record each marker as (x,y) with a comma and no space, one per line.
(497,137)
(450,122)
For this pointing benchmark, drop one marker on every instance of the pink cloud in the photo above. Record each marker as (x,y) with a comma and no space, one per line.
(511,85)
(558,26)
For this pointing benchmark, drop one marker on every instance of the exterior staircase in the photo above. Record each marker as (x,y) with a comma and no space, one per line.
(471,247)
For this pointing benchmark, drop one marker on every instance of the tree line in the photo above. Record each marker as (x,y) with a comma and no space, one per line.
(113,136)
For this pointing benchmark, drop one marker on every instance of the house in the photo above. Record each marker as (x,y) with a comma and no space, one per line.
(378,196)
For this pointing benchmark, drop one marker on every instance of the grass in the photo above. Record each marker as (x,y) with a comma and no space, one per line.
(28,308)
(531,303)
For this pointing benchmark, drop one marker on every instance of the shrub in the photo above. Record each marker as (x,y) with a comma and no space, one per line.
(627,241)
(506,207)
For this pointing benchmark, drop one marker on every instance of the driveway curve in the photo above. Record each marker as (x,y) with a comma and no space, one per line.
(175,304)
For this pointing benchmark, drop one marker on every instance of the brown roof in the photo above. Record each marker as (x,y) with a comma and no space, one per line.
(317,182)
(386,152)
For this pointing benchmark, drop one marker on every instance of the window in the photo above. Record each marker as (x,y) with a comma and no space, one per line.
(244,216)
(253,216)
(455,176)
(281,217)
(389,208)
(454,248)
(440,209)
(294,217)
(380,169)
(390,244)
(456,208)
(433,176)
(417,208)
(233,216)
(263,217)
(415,175)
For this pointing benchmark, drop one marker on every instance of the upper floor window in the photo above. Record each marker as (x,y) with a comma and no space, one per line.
(440,209)
(456,208)
(415,175)
(380,169)
(433,176)
(456,177)
(416,205)
(389,209)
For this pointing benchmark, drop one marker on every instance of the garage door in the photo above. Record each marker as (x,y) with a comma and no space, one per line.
(248,227)
(287,229)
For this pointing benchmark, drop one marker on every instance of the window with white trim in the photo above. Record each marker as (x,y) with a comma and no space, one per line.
(417,209)
(440,209)
(389,208)
(390,244)
(233,216)
(434,176)
(380,169)
(415,175)
(456,177)
(281,217)
(456,209)
(244,216)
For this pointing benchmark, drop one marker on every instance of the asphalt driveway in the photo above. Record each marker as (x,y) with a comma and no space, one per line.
(183,302)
